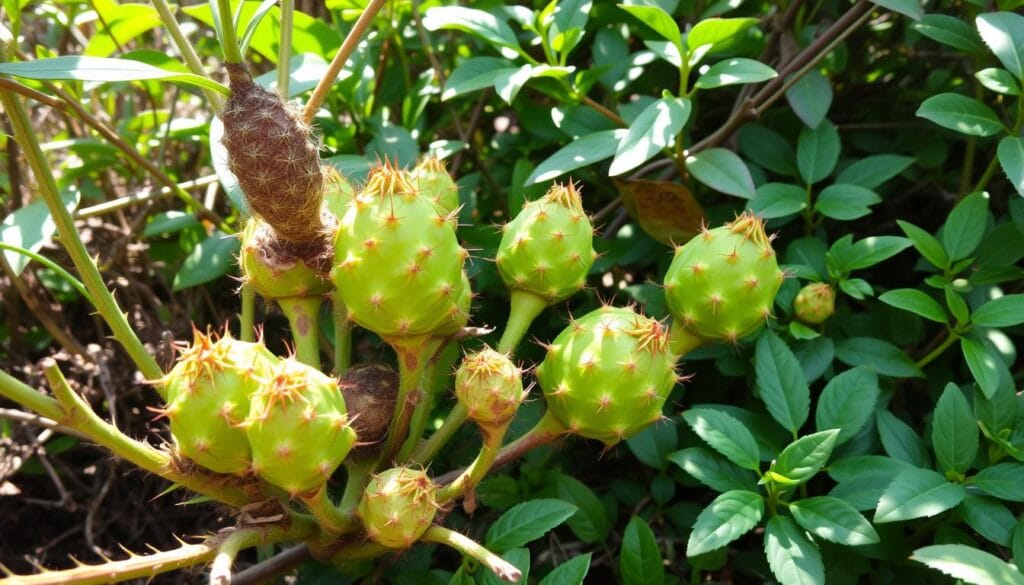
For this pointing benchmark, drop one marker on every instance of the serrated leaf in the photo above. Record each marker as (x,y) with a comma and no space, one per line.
(726,518)
(640,559)
(954,431)
(1011,158)
(527,522)
(834,520)
(589,523)
(793,558)
(988,518)
(654,129)
(917,493)
(847,402)
(917,302)
(969,564)
(804,457)
(571,572)
(962,114)
(872,171)
(965,226)
(584,151)
(780,382)
(723,171)
(726,435)
(712,470)
(882,356)
(900,441)
(817,152)
(1003,33)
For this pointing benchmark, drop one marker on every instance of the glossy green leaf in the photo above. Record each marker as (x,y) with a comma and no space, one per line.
(817,152)
(571,572)
(780,382)
(526,522)
(1011,158)
(640,559)
(733,72)
(101,69)
(653,130)
(726,435)
(1004,481)
(475,74)
(119,24)
(872,171)
(954,431)
(794,560)
(32,227)
(590,522)
(911,8)
(833,520)
(984,366)
(848,468)
(472,21)
(712,470)
(582,152)
(657,19)
(723,171)
(900,441)
(715,31)
(210,259)
(962,114)
(965,226)
(773,200)
(803,458)
(988,518)
(917,493)
(845,202)
(950,31)
(882,356)
(767,148)
(847,402)
(810,98)
(653,444)
(1003,33)
(1005,311)
(926,244)
(917,302)
(969,564)
(726,518)
(998,80)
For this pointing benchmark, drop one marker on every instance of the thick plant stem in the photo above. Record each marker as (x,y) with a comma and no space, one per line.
(464,485)
(413,355)
(342,335)
(143,567)
(243,538)
(228,36)
(188,52)
(505,570)
(331,518)
(355,483)
(681,341)
(284,50)
(17,391)
(422,413)
(525,306)
(105,305)
(426,451)
(304,319)
(247,319)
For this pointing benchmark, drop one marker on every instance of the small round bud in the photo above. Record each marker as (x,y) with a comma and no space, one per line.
(815,303)
(398,506)
(489,386)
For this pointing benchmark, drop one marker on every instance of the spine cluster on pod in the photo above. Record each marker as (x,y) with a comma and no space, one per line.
(397,260)
(815,303)
(398,506)
(608,374)
(272,154)
(433,181)
(722,283)
(298,427)
(547,249)
(489,386)
(208,394)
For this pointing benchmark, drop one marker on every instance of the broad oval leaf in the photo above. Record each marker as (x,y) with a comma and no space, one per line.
(780,382)
(845,202)
(962,114)
(900,441)
(804,457)
(475,73)
(847,402)
(590,522)
(872,171)
(1004,481)
(654,129)
(726,435)
(712,470)
(726,518)
(715,31)
(571,572)
(810,98)
(1005,311)
(950,31)
(954,431)
(882,356)
(917,302)
(586,150)
(917,493)
(1003,32)
(817,152)
(660,21)
(965,226)
(733,72)
(989,518)
(722,170)
(984,365)
(792,557)
(834,520)
(640,558)
(911,8)
(969,564)
(475,22)
(774,200)
(527,522)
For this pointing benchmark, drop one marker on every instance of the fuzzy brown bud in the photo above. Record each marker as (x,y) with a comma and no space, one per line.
(370,391)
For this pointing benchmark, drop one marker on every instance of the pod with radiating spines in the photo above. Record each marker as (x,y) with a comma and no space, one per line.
(435,183)
(397,507)
(489,386)
(815,303)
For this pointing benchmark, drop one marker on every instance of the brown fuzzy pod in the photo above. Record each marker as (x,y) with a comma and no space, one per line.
(370,391)
(272,153)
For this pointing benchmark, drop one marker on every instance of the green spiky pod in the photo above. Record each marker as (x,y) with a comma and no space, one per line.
(433,181)
(722,283)
(338,192)
(398,263)
(208,393)
(608,374)
(815,303)
(298,427)
(398,506)
(274,157)
(273,270)
(370,391)
(489,386)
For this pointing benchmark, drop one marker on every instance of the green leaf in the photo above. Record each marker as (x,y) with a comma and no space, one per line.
(726,518)
(849,468)
(640,559)
(988,518)
(954,431)
(527,522)
(862,492)
(582,152)
(845,202)
(653,445)
(810,98)
(962,114)
(32,227)
(872,171)
(847,402)
(881,356)
(900,441)
(715,31)
(713,471)
(793,558)
(571,572)
(984,366)
(726,435)
(997,412)
(965,226)
(519,557)
(475,74)
(780,382)
(734,71)
(1018,544)
(872,250)
(926,244)
(1003,481)
(957,305)
(768,149)
(100,69)
(998,80)
(1011,158)
(723,171)
(210,259)
(803,458)
(911,8)
(1003,32)
(590,522)
(654,129)
(950,31)
(773,200)
(658,20)
(1004,311)
(917,302)
(817,152)
(833,520)
(478,23)
(917,493)
(969,564)
(121,23)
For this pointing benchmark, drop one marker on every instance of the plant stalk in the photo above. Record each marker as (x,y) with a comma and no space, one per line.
(428,450)
(331,518)
(505,570)
(284,49)
(524,308)
(413,355)
(304,319)
(247,319)
(494,436)
(188,52)
(243,538)
(422,413)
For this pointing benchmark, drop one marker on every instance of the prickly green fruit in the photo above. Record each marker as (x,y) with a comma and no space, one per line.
(398,263)
(298,427)
(208,393)
(272,153)
(370,391)
(272,268)
(722,283)
(338,193)
(548,248)
(489,386)
(398,506)
(433,181)
(608,374)
(815,303)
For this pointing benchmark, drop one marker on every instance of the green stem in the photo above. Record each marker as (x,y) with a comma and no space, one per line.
(105,304)
(284,51)
(17,391)
(413,355)
(243,538)
(525,307)
(304,318)
(56,268)
(355,483)
(188,52)
(228,36)
(333,520)
(990,171)
(247,319)
(503,569)
(950,340)
(421,414)
(494,436)
(681,341)
(441,436)
(342,335)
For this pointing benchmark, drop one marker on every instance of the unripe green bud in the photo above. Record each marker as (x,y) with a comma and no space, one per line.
(274,270)
(815,303)
(433,182)
(489,386)
(398,506)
